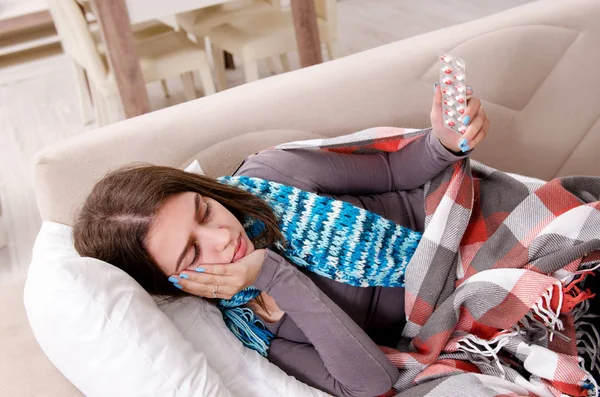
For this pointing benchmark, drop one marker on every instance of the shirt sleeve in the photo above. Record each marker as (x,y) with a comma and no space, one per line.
(286,328)
(319,171)
(339,357)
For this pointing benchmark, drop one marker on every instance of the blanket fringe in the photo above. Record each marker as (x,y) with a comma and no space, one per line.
(573,294)
(587,336)
(487,348)
(589,383)
(526,324)
(578,304)
(550,317)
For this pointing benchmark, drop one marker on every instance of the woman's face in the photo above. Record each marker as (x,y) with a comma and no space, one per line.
(191,230)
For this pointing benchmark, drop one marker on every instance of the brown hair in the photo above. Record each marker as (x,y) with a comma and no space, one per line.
(115,218)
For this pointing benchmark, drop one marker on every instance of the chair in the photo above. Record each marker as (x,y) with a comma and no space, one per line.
(268,34)
(161,55)
(199,22)
(141,31)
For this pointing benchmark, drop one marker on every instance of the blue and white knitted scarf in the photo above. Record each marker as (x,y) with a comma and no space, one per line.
(329,237)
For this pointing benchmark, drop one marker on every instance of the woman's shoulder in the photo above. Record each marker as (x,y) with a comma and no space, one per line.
(282,166)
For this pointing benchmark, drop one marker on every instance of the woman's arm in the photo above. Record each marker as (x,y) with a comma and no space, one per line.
(286,328)
(340,358)
(317,342)
(276,321)
(353,174)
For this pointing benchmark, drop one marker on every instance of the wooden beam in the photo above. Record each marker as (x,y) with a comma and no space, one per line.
(307,32)
(115,27)
(18,24)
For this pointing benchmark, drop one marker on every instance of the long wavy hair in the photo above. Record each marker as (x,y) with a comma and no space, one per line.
(115,218)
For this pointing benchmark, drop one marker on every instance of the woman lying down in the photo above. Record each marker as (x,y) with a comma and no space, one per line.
(305,253)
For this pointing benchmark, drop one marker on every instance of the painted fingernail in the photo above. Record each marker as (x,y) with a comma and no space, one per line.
(200,269)
(465,120)
(178,286)
(435,85)
(185,276)
(463,145)
(469,88)
(173,279)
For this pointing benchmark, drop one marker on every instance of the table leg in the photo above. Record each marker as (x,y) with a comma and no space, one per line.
(307,32)
(115,27)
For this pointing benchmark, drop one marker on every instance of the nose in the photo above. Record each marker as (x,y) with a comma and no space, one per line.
(214,238)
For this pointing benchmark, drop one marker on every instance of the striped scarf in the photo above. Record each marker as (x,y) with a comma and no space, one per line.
(329,237)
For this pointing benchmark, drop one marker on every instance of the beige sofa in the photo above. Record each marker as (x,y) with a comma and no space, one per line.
(535,68)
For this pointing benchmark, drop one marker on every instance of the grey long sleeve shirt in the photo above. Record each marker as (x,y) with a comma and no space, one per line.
(329,334)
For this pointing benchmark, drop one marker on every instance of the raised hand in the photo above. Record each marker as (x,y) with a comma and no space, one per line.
(272,314)
(474,118)
(221,280)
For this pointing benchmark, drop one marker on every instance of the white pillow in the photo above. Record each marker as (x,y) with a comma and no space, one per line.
(109,338)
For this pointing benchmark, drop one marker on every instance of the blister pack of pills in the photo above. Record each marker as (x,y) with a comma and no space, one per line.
(454,91)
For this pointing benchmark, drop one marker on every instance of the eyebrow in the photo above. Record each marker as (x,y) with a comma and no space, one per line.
(191,240)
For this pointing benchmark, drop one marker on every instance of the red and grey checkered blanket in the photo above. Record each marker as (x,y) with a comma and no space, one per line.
(494,292)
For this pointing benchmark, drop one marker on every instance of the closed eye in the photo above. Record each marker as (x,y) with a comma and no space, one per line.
(205,217)
(196,253)
(206,212)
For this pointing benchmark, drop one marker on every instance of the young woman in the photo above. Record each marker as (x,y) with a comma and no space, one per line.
(178,233)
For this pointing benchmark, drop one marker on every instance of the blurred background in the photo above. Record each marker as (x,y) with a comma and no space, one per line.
(60,76)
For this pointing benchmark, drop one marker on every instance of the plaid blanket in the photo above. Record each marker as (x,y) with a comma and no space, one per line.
(494,293)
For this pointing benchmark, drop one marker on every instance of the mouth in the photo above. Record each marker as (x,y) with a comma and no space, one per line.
(240,249)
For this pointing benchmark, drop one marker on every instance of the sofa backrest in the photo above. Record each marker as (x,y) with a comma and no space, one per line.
(535,68)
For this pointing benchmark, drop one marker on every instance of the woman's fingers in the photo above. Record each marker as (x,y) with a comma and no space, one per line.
(224,269)
(482,133)
(230,278)
(473,106)
(436,108)
(202,283)
(476,131)
(469,92)
(473,117)
(221,287)
(206,278)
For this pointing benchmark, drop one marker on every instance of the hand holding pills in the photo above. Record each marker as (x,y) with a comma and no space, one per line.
(457,118)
